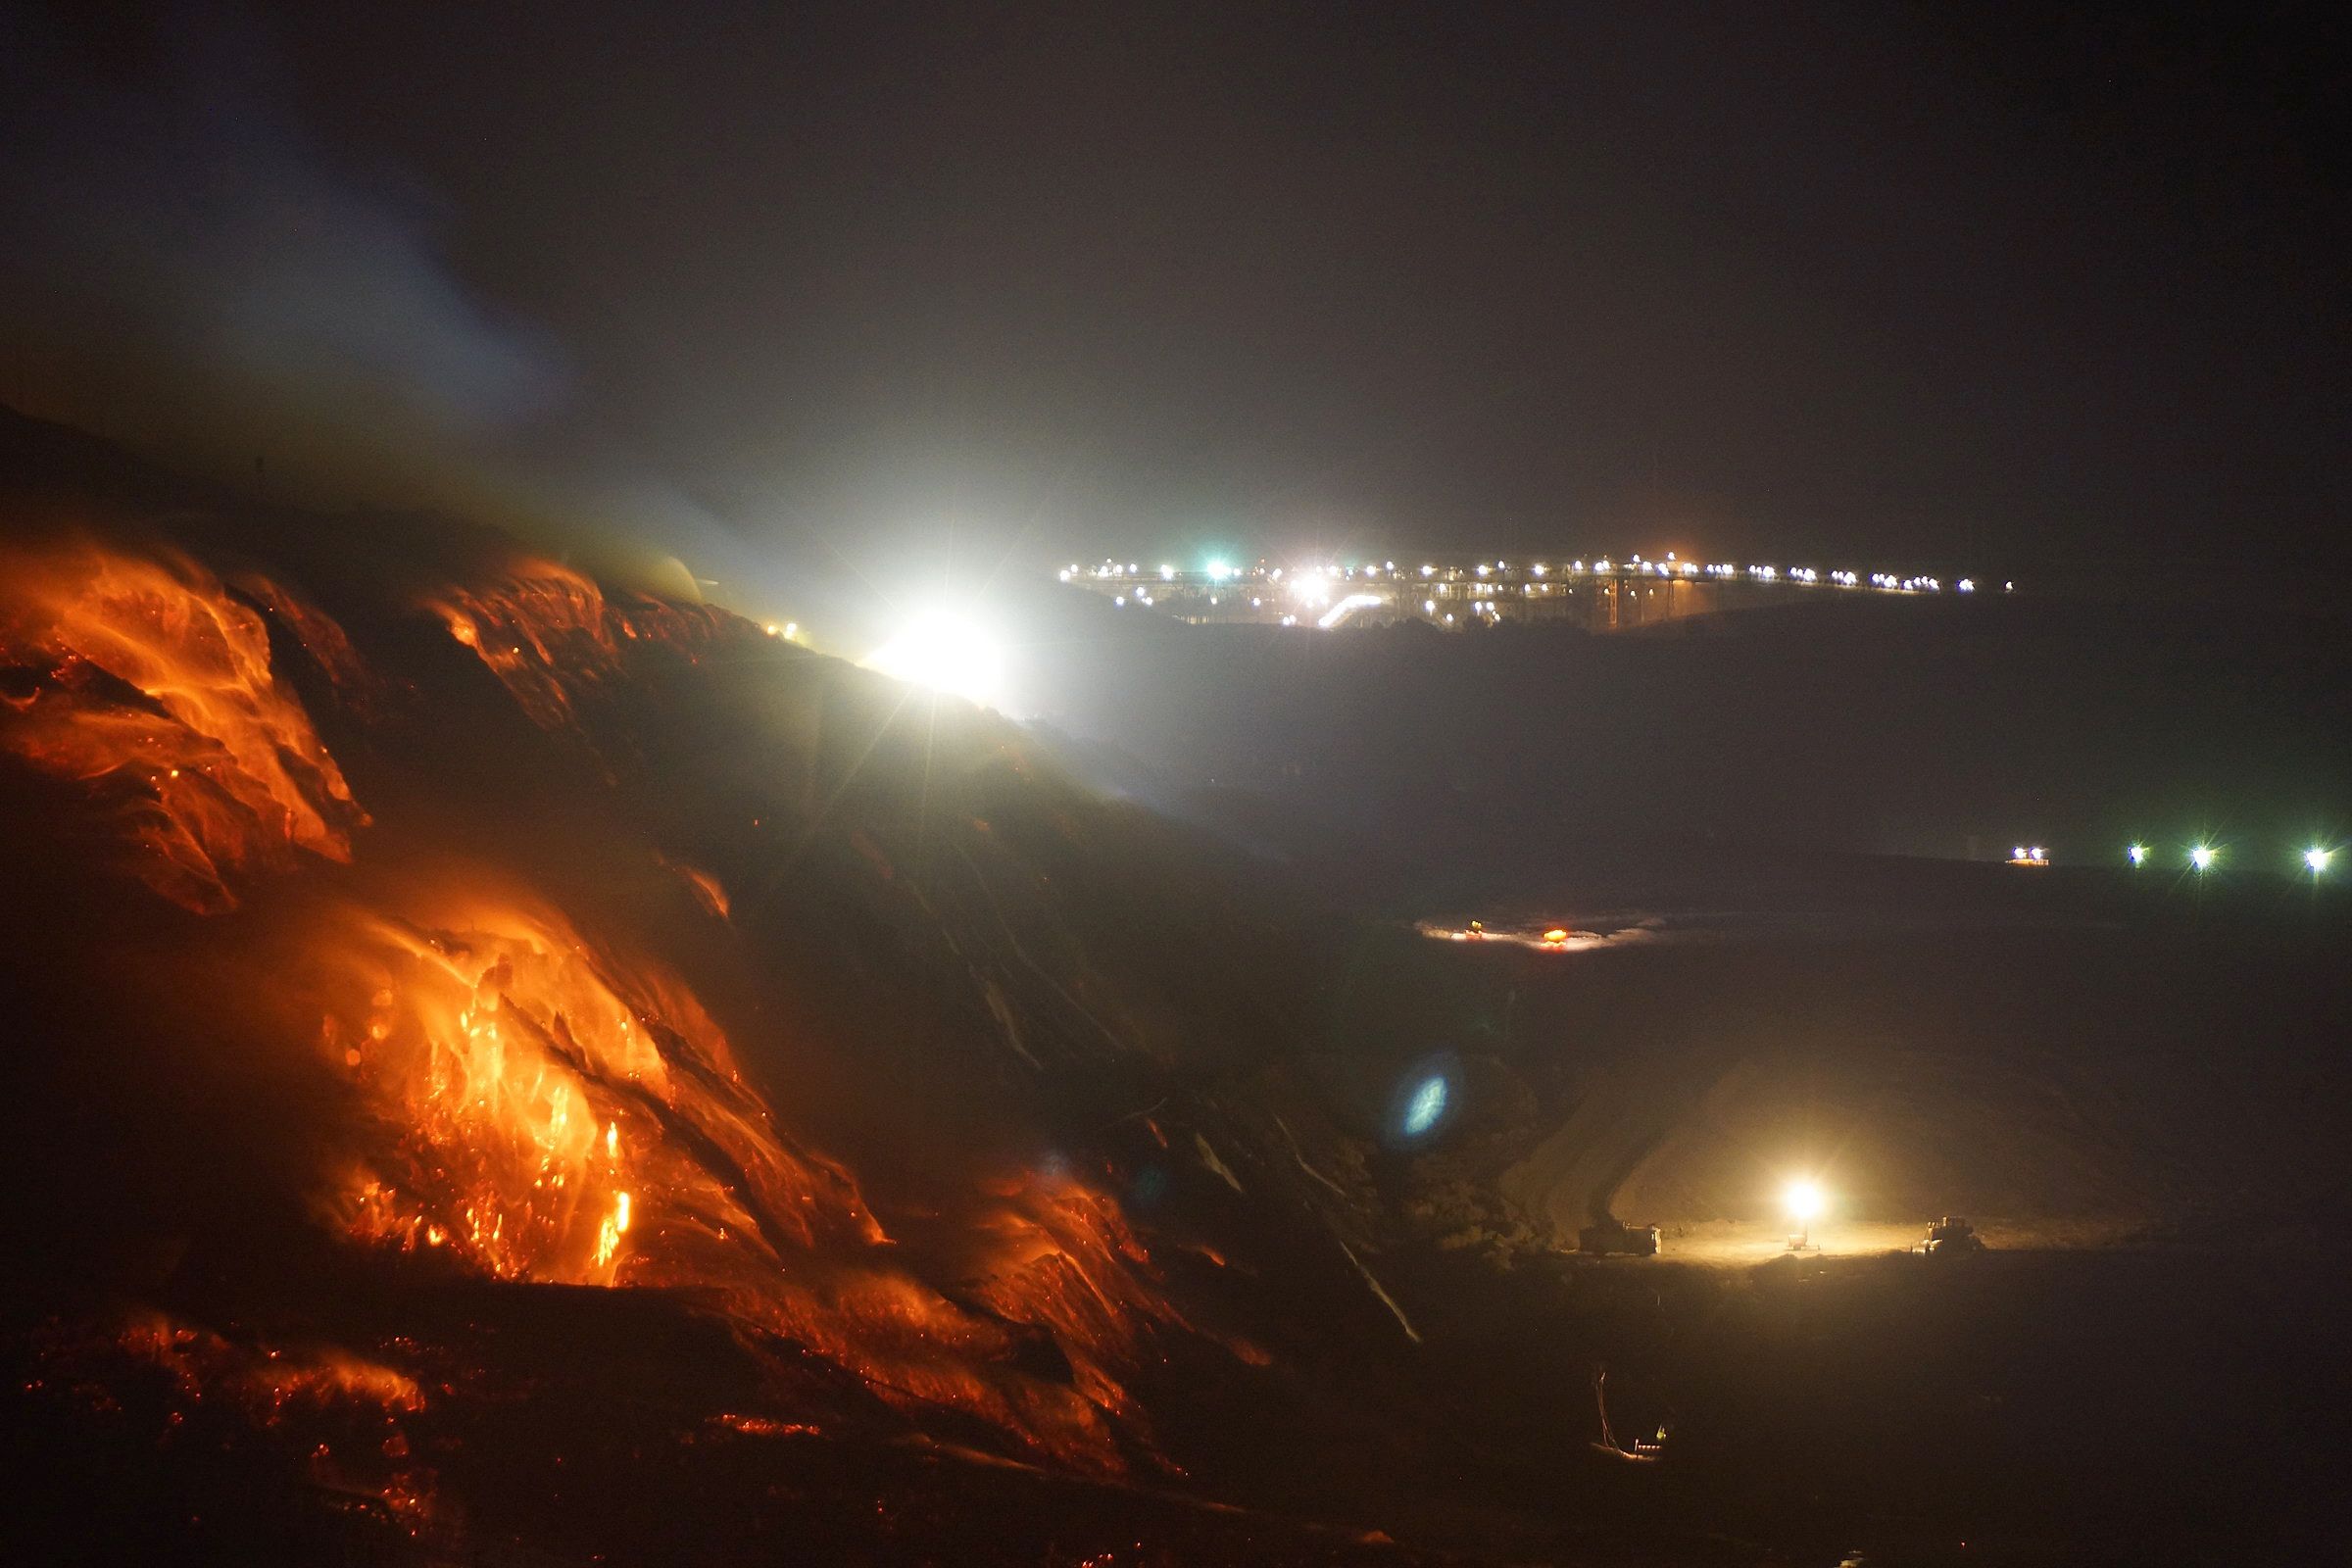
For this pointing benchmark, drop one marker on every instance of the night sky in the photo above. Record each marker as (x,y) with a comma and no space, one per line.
(2007,288)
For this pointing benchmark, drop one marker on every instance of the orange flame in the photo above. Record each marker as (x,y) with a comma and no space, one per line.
(554,1111)
(549,1101)
(551,634)
(272,1379)
(539,1105)
(142,678)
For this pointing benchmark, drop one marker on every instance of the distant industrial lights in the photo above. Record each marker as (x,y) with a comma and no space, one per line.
(2203,857)
(1168,574)
(2138,855)
(2316,859)
(1218,572)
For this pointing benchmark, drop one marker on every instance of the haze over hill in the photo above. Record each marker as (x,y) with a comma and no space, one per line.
(425,953)
(1949,729)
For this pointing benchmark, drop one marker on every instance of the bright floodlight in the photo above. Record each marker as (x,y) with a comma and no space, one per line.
(2138,853)
(1803,1200)
(1218,572)
(2315,860)
(2203,857)
(945,652)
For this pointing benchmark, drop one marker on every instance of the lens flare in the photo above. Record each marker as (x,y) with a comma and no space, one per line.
(945,653)
(1427,1107)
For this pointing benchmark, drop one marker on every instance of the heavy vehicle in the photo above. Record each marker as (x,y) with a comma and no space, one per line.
(1950,1236)
(1612,1236)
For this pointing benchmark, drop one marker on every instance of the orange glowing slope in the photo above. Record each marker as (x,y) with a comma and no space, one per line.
(551,634)
(140,677)
(529,1102)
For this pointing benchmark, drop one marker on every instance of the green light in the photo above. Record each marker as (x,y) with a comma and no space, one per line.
(2138,853)
(2315,860)
(2203,857)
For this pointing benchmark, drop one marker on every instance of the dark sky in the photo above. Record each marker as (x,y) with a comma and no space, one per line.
(1954,284)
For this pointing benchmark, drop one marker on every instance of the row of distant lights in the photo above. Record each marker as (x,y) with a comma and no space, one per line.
(1306,582)
(2201,856)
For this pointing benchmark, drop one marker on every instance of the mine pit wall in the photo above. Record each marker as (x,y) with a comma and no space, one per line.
(2196,1088)
(1909,1135)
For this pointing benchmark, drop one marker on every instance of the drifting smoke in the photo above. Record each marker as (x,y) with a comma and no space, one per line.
(188,265)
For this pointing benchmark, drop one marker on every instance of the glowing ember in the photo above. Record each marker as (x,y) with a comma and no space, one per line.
(549,634)
(554,1111)
(272,1378)
(527,1099)
(143,679)
(540,1090)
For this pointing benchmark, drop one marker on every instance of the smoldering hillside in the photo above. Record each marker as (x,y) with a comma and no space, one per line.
(502,1058)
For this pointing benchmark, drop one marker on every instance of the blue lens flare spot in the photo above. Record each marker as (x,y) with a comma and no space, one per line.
(1425,1108)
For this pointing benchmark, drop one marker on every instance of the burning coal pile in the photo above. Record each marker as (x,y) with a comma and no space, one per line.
(477,1034)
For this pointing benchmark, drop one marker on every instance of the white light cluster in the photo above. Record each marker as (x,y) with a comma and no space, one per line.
(1317,588)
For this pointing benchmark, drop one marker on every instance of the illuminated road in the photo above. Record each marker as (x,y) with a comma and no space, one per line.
(1737,1243)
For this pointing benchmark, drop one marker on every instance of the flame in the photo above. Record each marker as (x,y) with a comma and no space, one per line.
(140,677)
(535,1103)
(551,634)
(548,1109)
(547,1098)
(349,1417)
(320,634)
(1070,1263)
(707,890)
(272,1378)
